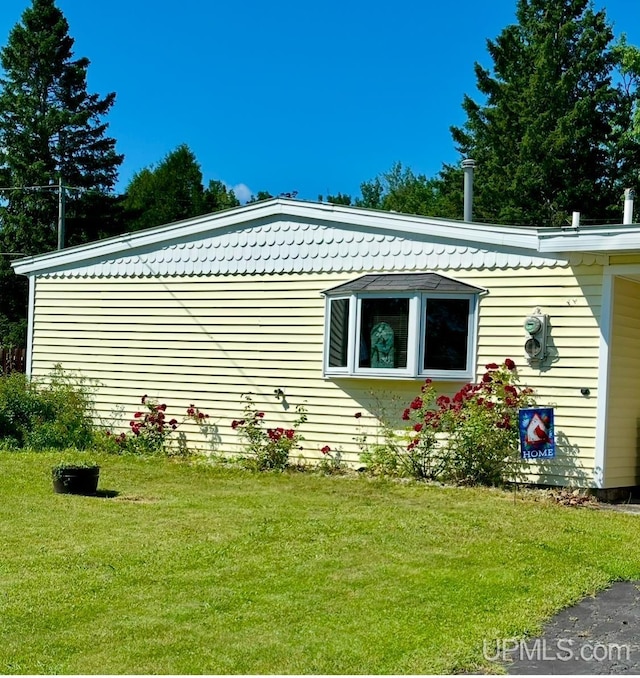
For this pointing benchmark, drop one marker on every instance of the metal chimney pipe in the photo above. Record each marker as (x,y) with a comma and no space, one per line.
(628,206)
(575,220)
(467,167)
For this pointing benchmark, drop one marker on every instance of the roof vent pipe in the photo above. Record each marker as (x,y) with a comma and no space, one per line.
(628,206)
(467,167)
(575,220)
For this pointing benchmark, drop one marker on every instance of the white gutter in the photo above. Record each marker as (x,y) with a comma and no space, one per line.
(595,239)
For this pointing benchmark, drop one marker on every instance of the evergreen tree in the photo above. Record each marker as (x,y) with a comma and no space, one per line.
(50,126)
(169,192)
(173,191)
(338,199)
(218,197)
(552,135)
(400,190)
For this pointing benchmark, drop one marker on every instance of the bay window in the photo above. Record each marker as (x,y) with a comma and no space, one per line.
(411,325)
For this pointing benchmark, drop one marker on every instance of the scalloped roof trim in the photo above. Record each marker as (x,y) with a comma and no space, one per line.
(279,236)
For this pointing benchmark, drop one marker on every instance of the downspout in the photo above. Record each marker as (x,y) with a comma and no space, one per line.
(467,167)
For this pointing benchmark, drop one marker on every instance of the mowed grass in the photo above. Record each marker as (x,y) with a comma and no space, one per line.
(211,570)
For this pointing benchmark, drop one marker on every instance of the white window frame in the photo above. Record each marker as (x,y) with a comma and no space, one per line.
(472,338)
(415,343)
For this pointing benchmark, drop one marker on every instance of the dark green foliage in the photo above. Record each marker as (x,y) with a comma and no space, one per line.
(261,195)
(54,414)
(170,192)
(552,135)
(339,199)
(400,190)
(173,191)
(218,197)
(49,126)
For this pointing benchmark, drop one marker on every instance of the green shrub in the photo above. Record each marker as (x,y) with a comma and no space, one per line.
(54,413)
(471,438)
(150,431)
(269,448)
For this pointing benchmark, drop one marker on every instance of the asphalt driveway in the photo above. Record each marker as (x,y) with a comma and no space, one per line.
(600,635)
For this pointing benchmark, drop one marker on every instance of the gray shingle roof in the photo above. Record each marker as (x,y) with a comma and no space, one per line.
(403,282)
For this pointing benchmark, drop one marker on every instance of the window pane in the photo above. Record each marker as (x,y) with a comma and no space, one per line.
(339,333)
(446,334)
(383,338)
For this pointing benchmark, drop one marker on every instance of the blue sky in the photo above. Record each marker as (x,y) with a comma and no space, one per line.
(289,96)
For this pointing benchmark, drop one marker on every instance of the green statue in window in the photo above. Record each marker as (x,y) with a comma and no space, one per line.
(382,349)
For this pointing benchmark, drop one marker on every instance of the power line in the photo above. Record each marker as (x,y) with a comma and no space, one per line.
(62,191)
(50,187)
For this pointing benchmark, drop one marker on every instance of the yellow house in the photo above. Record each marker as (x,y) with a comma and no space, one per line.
(281,299)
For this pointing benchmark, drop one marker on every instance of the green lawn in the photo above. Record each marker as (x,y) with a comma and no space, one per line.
(213,570)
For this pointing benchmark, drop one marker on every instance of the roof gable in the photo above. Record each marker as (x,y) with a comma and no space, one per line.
(283,234)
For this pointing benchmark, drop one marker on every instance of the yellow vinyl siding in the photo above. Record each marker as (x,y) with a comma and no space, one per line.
(624,387)
(208,340)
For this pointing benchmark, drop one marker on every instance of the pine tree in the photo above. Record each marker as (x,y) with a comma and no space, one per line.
(551,136)
(50,126)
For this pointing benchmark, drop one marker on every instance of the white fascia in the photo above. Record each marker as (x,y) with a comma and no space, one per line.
(590,239)
(30,323)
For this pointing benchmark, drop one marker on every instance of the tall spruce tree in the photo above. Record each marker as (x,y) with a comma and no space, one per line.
(552,134)
(172,191)
(50,127)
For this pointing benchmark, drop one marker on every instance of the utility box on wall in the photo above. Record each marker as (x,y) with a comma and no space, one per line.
(536,326)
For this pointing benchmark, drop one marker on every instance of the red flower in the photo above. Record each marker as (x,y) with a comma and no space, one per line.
(260,415)
(417,428)
(405,414)
(486,377)
(201,415)
(191,411)
(173,422)
(443,401)
(275,433)
(416,403)
(325,450)
(357,415)
(505,423)
(492,366)
(290,433)
(235,423)
(509,364)
(162,407)
(137,415)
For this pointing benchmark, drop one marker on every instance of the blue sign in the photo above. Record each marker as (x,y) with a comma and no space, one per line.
(536,433)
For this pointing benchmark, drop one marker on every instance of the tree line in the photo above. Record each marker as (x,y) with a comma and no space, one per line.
(556,128)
